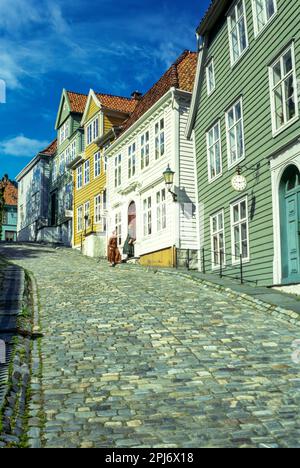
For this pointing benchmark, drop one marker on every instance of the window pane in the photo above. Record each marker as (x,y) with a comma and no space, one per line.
(276,73)
(236,215)
(287,62)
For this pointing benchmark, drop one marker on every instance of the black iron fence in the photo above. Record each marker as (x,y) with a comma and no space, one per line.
(214,262)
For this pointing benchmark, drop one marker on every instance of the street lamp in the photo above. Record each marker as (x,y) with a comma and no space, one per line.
(169,181)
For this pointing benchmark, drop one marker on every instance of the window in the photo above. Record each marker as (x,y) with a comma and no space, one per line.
(87,218)
(131,160)
(118,171)
(145,150)
(68,155)
(217,239)
(87,172)
(105,161)
(161,210)
(237,28)
(62,163)
(92,131)
(98,201)
(64,132)
(235,134)
(97,164)
(79,219)
(79,177)
(284,99)
(214,156)
(73,151)
(240,230)
(118,223)
(147,216)
(210,77)
(54,171)
(159,138)
(263,12)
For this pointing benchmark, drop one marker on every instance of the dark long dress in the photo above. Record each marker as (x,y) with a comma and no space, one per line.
(113,251)
(128,248)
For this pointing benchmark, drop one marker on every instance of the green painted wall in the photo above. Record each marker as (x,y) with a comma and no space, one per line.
(249,78)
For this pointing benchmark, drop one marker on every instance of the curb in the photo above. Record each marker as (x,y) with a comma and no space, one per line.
(284,315)
(35,405)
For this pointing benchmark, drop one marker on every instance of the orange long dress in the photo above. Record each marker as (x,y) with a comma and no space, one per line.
(113,254)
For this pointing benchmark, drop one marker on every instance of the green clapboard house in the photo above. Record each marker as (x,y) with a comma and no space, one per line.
(245,122)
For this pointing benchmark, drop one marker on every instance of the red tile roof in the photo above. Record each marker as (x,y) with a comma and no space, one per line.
(117,103)
(181,75)
(51,149)
(10,194)
(77,102)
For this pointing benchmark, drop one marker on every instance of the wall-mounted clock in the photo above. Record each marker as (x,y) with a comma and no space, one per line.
(239,183)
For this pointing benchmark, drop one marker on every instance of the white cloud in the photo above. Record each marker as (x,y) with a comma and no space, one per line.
(21,146)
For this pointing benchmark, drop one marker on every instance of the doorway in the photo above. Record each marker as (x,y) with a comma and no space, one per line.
(132,220)
(290,225)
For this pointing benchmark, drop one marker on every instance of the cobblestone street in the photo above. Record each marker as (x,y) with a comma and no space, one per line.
(137,358)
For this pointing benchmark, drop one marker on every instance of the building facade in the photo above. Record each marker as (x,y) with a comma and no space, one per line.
(10,212)
(245,122)
(140,205)
(69,146)
(102,114)
(33,199)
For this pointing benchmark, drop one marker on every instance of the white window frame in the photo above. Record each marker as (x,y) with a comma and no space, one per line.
(216,143)
(147,217)
(87,211)
(233,60)
(161,210)
(287,123)
(64,132)
(80,218)
(87,172)
(160,138)
(132,160)
(97,164)
(79,177)
(98,208)
(210,72)
(145,150)
(235,126)
(239,223)
(92,131)
(258,31)
(217,233)
(73,150)
(118,171)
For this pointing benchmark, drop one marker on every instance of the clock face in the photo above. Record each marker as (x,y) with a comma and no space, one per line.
(239,183)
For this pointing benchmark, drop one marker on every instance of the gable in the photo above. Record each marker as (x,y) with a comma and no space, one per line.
(92,110)
(63,110)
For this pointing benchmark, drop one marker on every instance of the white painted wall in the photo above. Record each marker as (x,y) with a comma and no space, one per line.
(179,154)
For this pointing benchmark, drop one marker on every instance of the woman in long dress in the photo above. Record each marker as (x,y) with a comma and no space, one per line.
(114,256)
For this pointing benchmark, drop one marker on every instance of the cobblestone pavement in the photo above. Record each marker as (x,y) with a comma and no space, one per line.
(134,358)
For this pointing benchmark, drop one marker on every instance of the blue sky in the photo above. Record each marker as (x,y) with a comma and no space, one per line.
(110,46)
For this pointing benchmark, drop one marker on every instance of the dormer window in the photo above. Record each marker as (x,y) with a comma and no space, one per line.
(210,77)
(237,29)
(64,132)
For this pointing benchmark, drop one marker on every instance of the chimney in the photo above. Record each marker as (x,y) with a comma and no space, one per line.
(137,95)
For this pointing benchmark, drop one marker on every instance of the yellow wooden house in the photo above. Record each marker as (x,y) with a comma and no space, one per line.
(102,120)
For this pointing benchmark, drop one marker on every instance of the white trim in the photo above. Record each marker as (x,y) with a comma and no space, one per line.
(276,131)
(233,8)
(233,224)
(290,156)
(91,96)
(211,63)
(208,147)
(257,33)
(238,161)
(196,91)
(216,215)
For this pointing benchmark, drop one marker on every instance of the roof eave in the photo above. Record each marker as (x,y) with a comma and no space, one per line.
(212,16)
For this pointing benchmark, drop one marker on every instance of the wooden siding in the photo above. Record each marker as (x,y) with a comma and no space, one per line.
(163,258)
(249,78)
